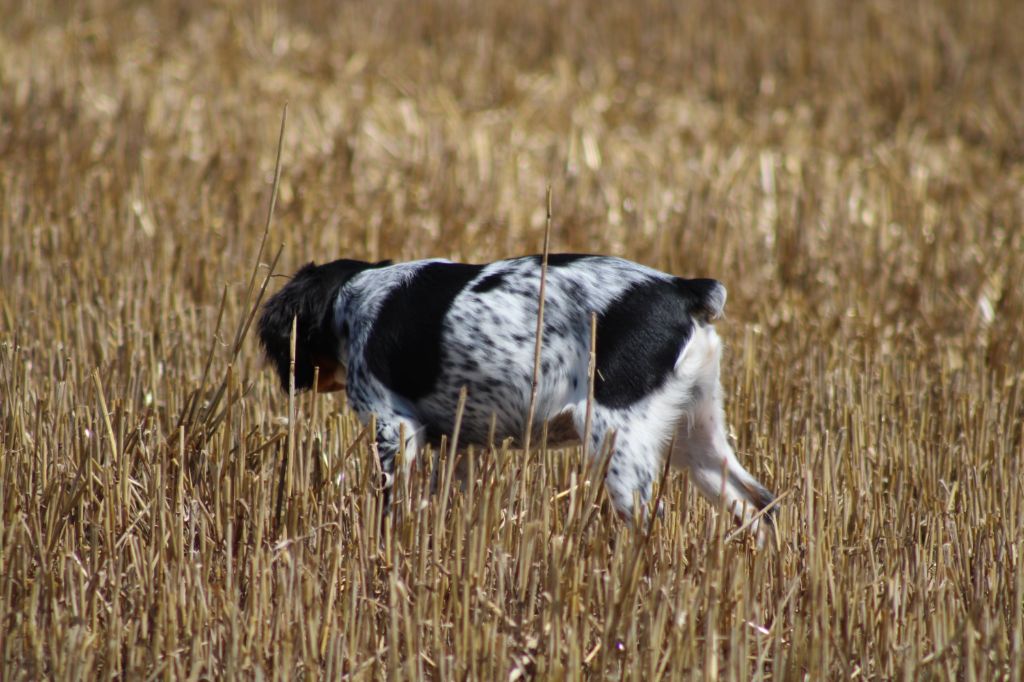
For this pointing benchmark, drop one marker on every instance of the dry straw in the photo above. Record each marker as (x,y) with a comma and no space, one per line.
(852,172)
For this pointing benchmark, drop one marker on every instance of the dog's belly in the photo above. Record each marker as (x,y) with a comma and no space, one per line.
(561,432)
(496,411)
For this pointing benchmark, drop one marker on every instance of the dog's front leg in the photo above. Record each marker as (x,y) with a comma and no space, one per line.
(398,437)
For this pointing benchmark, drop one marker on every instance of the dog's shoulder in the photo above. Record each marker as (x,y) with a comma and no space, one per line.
(402,310)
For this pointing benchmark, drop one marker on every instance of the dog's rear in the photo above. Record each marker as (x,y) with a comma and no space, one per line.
(701,445)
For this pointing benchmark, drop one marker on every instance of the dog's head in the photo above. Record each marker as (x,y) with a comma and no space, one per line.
(308,299)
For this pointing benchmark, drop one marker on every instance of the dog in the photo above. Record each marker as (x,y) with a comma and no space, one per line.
(404,339)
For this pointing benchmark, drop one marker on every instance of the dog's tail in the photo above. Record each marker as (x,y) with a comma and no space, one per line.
(705,298)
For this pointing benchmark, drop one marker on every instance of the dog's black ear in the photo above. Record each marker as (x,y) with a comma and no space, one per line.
(309,299)
(705,298)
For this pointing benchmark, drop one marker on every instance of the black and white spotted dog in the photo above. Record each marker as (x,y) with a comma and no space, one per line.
(402,340)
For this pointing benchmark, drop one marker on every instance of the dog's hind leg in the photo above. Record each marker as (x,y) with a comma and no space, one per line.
(637,436)
(701,444)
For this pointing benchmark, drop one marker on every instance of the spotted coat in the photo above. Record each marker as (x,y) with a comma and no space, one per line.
(404,339)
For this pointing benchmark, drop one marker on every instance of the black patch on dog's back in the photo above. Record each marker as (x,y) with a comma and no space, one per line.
(404,347)
(639,337)
(489,282)
(557,260)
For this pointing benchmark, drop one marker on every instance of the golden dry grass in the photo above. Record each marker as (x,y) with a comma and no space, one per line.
(852,171)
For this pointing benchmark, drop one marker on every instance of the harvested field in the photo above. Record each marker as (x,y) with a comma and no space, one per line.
(853,172)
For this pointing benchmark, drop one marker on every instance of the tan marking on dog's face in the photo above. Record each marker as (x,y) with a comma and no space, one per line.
(330,377)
